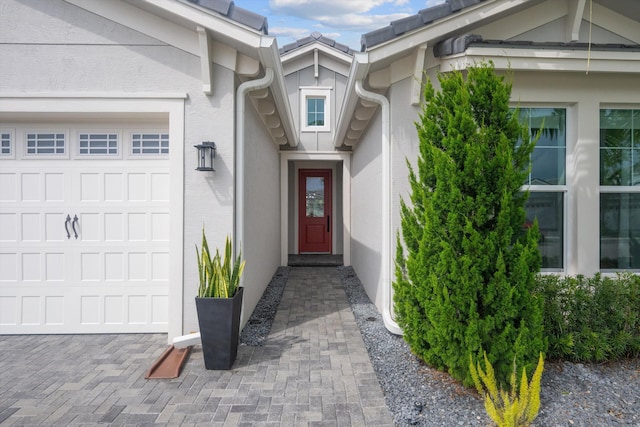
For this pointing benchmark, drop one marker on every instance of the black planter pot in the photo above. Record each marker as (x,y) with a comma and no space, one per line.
(219,320)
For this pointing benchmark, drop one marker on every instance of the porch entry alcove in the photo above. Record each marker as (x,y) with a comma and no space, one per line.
(315,207)
(314,211)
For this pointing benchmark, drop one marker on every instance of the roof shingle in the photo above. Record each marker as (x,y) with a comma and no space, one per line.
(228,9)
(422,18)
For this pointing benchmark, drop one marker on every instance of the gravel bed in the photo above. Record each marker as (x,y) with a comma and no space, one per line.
(259,324)
(573,394)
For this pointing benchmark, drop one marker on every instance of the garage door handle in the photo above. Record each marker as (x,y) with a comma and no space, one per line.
(73,225)
(328,223)
(66,226)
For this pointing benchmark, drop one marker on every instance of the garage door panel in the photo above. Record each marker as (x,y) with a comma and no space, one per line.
(9,187)
(90,311)
(8,268)
(114,276)
(8,227)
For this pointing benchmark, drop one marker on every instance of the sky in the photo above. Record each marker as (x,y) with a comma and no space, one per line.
(341,20)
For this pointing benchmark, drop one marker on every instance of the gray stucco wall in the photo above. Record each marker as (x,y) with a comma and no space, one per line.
(366,213)
(261,246)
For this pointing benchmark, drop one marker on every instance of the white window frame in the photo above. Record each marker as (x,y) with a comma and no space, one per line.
(64,155)
(133,155)
(119,141)
(12,144)
(315,92)
(615,189)
(559,188)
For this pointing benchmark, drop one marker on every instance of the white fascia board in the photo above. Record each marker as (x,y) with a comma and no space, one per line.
(270,58)
(452,24)
(89,103)
(359,70)
(218,25)
(545,60)
(109,94)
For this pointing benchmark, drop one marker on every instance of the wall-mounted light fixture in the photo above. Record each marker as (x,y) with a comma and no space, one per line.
(206,156)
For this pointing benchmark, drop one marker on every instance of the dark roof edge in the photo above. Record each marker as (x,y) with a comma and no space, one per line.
(316,37)
(422,18)
(460,44)
(228,9)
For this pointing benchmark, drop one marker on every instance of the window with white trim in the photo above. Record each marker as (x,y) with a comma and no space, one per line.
(98,144)
(6,144)
(315,109)
(619,189)
(547,181)
(149,144)
(45,144)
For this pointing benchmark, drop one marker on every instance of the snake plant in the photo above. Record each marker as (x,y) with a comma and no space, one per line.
(218,277)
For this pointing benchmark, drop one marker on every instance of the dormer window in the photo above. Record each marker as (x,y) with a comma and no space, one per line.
(315,111)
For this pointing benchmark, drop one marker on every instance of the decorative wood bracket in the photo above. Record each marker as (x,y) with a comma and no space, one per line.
(205,60)
(416,84)
(574,20)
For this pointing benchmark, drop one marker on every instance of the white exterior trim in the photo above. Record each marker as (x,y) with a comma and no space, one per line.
(315,92)
(544,59)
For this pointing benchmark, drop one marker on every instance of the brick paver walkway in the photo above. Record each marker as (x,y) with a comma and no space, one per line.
(313,370)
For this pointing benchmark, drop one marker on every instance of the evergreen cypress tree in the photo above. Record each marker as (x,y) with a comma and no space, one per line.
(466,268)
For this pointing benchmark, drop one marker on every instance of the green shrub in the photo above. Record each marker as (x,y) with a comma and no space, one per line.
(591,319)
(466,266)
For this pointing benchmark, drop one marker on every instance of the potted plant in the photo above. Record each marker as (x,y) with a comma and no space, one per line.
(219,304)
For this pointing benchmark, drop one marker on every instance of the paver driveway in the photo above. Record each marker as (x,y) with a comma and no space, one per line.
(313,370)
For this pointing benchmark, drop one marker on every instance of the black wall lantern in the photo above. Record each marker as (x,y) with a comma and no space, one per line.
(206,156)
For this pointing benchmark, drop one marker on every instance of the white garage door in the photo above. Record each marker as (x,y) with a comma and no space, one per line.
(84,231)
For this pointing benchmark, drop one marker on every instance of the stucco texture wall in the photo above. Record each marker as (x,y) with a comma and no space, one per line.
(261,245)
(366,215)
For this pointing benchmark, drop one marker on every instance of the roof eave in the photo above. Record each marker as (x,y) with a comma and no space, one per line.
(270,58)
(359,70)
(541,59)
(456,23)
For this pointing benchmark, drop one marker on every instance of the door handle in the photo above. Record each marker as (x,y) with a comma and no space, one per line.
(66,226)
(328,223)
(73,225)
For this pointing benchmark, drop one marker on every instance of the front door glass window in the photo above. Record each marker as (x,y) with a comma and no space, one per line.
(315,197)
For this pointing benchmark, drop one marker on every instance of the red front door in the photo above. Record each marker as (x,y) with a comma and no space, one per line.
(314,211)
